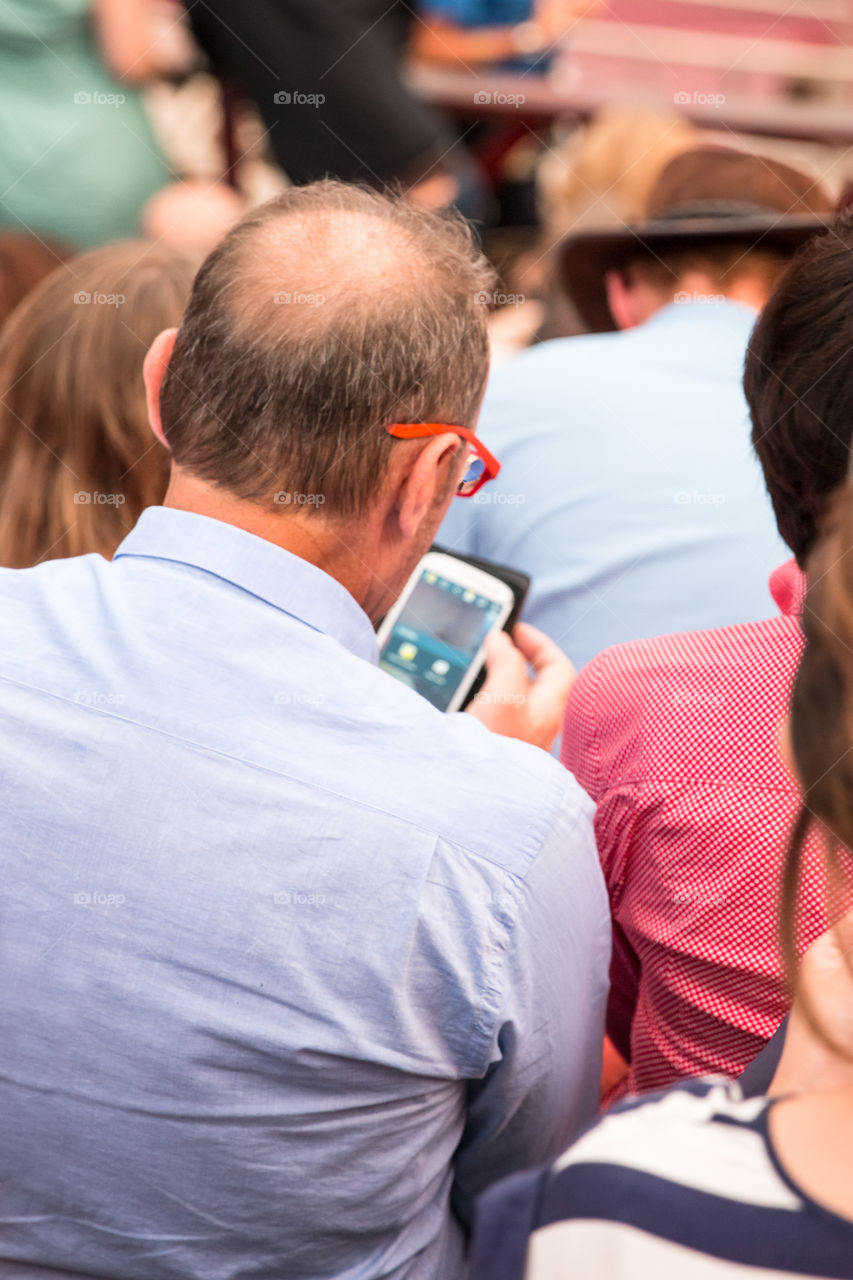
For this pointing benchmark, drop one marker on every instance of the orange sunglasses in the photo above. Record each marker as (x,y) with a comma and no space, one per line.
(483,465)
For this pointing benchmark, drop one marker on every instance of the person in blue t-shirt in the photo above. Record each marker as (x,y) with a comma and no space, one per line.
(516,34)
(629,489)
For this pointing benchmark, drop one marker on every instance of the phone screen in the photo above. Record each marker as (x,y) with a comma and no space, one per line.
(437,635)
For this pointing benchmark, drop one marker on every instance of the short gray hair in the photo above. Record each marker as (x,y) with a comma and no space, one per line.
(324,315)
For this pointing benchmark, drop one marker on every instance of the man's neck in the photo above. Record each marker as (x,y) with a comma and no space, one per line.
(748,290)
(303,533)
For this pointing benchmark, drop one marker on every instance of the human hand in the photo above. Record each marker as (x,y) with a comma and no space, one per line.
(513,703)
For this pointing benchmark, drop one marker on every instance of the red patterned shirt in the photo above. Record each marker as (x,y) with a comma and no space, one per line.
(675,739)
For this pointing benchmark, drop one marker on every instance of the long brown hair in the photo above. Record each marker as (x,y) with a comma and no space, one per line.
(78,461)
(821,733)
(25,260)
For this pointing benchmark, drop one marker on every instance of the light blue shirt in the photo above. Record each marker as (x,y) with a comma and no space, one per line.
(293,964)
(629,490)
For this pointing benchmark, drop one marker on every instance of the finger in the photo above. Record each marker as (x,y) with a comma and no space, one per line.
(504,663)
(539,650)
(555,674)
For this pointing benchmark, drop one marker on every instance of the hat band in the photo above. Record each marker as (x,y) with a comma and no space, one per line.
(714,209)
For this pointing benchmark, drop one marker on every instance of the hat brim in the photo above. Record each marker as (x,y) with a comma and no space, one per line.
(585,257)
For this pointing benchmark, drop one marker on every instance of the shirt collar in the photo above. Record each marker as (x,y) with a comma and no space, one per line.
(282,579)
(788,587)
(726,313)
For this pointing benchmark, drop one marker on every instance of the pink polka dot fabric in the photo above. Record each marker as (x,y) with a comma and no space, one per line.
(675,739)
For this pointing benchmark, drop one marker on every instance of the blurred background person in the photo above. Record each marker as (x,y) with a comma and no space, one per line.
(600,175)
(78,156)
(603,173)
(327,79)
(78,462)
(629,490)
(520,33)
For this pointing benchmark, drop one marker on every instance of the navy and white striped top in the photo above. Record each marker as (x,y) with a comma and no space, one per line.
(682,1184)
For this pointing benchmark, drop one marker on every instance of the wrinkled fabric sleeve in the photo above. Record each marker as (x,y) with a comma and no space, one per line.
(542,1083)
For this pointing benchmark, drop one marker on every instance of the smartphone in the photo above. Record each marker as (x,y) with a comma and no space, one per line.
(433,637)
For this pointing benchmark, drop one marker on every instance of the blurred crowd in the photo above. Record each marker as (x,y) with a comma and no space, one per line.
(303,977)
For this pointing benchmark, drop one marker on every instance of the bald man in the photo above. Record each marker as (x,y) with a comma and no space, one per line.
(294,965)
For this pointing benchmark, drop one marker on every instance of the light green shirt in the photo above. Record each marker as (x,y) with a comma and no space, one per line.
(78,156)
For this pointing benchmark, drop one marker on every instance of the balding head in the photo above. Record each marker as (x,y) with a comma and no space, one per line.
(322,317)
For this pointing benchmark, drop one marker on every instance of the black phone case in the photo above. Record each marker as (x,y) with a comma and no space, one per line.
(519,585)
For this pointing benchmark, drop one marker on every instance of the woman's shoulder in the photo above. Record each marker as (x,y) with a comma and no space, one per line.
(679,1183)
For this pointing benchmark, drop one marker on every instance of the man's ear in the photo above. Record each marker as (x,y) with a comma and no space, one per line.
(426,482)
(620,300)
(154,371)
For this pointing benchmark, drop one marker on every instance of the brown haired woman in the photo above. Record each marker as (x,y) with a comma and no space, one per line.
(700,1182)
(78,462)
